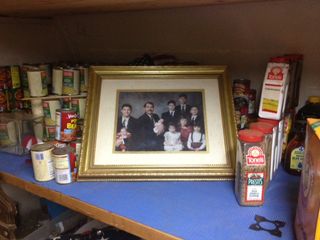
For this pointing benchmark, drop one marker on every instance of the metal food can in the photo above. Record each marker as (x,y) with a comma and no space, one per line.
(66,125)
(57,80)
(47,68)
(36,107)
(38,128)
(8,133)
(37,81)
(4,72)
(42,162)
(50,131)
(76,146)
(66,103)
(241,87)
(3,100)
(84,78)
(71,82)
(13,78)
(79,106)
(49,110)
(62,165)
(58,144)
(24,78)
(15,99)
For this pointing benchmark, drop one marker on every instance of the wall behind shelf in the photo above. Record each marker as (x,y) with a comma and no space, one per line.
(31,41)
(242,36)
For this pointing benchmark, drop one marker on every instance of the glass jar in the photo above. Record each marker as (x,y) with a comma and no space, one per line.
(250,168)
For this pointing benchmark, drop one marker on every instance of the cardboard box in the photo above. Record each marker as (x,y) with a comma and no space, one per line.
(307,222)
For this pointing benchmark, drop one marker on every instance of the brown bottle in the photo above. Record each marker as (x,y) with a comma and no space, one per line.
(294,155)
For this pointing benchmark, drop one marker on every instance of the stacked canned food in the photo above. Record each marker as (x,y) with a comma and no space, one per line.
(11,93)
(244,100)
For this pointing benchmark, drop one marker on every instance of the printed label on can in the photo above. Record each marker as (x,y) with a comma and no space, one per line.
(70,82)
(42,165)
(63,176)
(255,187)
(15,77)
(66,124)
(50,132)
(255,156)
(3,101)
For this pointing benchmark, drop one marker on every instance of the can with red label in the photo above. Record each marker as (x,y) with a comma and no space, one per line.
(71,82)
(4,73)
(66,103)
(15,99)
(3,100)
(66,125)
(79,105)
(76,146)
(62,165)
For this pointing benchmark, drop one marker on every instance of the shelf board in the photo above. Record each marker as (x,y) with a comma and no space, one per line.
(50,97)
(50,8)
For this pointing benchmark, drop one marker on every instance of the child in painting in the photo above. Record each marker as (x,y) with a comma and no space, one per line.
(121,140)
(172,140)
(159,127)
(196,140)
(185,130)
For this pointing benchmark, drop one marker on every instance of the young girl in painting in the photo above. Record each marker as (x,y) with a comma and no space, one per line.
(185,130)
(196,139)
(121,140)
(172,140)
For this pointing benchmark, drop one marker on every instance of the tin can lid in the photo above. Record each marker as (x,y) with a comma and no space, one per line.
(264,127)
(61,151)
(270,121)
(41,147)
(251,136)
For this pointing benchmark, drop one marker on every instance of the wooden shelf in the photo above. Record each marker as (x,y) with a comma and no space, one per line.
(50,8)
(51,97)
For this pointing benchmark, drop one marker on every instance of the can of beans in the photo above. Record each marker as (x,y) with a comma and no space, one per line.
(76,146)
(66,125)
(66,103)
(57,80)
(49,111)
(24,78)
(84,78)
(63,165)
(3,100)
(71,82)
(47,68)
(4,72)
(37,81)
(15,99)
(50,132)
(42,162)
(13,77)
(79,106)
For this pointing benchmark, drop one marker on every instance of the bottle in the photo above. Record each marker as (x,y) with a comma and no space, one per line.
(294,155)
(310,110)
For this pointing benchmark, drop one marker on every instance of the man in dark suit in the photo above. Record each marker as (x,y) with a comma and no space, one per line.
(195,119)
(129,123)
(171,116)
(149,140)
(183,109)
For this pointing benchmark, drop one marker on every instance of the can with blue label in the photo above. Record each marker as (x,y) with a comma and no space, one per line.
(42,162)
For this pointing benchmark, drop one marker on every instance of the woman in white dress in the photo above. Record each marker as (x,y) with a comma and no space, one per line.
(172,141)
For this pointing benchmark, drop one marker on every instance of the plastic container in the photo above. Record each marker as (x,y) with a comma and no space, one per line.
(250,168)
(267,130)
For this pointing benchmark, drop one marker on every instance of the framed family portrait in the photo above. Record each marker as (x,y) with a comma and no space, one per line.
(158,123)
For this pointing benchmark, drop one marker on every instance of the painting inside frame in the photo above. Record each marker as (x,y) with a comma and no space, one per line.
(150,125)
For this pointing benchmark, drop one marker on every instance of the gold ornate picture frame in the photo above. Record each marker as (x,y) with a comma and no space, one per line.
(158,124)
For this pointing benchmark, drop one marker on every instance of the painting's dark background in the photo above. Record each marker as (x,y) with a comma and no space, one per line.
(160,100)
